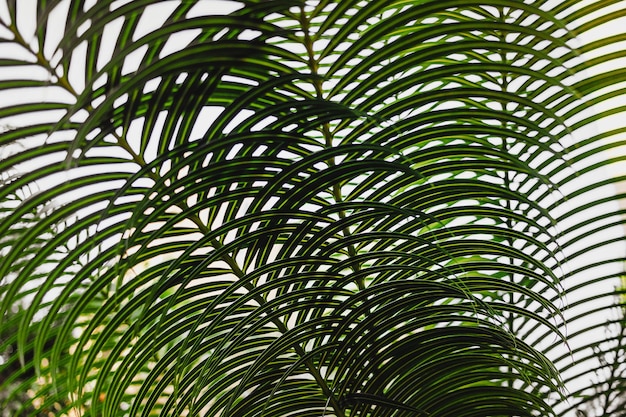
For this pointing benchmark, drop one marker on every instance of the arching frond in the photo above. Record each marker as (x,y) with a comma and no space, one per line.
(321,208)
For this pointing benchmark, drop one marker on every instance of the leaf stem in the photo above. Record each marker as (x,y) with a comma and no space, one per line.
(62,80)
(327,133)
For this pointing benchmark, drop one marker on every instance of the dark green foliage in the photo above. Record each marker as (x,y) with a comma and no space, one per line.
(324,208)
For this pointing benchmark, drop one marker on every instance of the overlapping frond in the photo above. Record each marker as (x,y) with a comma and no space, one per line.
(326,208)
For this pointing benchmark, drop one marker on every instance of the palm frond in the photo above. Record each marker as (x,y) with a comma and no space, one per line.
(308,208)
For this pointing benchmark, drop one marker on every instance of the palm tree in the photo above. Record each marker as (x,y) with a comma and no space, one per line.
(308,208)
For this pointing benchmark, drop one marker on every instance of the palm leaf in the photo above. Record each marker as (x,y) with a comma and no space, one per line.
(311,208)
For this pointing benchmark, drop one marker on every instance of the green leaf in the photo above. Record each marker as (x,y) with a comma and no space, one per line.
(382,208)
